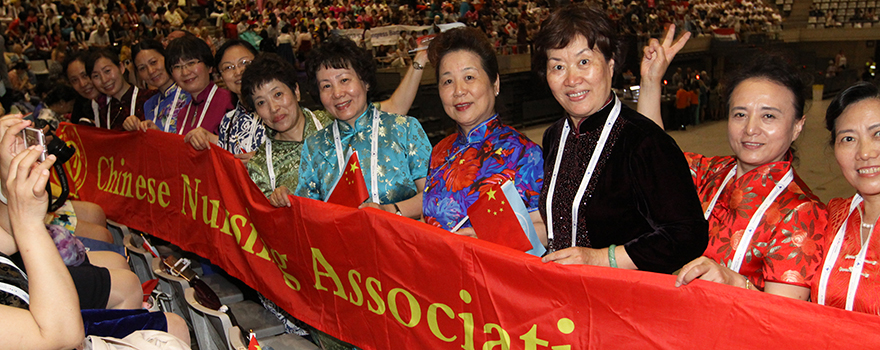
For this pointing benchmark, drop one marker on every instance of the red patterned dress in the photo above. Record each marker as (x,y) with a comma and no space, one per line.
(867,297)
(788,243)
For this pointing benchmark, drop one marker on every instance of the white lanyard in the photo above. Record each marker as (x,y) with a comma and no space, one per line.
(374,155)
(318,127)
(269,163)
(746,239)
(717,194)
(134,97)
(591,167)
(95,109)
(831,258)
(170,112)
(204,111)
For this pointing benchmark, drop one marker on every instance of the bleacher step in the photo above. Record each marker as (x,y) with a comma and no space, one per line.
(225,290)
(253,316)
(287,342)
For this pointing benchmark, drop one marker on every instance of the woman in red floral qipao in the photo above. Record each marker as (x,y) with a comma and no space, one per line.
(766,228)
(848,278)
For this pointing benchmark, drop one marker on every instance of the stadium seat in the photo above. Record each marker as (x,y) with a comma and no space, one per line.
(39,67)
(140,260)
(212,326)
(118,231)
(174,287)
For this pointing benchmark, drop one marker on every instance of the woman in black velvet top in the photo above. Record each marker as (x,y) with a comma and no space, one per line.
(634,202)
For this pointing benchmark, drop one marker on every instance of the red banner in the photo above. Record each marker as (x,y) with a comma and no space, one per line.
(384,282)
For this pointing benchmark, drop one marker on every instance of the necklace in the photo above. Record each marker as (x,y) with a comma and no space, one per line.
(867,226)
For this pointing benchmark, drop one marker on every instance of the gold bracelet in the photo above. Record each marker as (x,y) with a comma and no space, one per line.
(748,283)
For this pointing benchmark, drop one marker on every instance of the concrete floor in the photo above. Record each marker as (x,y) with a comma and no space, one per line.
(817,166)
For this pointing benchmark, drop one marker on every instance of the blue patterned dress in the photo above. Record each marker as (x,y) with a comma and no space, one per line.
(463,167)
(162,101)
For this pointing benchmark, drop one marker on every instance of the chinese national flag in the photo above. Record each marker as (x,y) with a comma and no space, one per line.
(495,221)
(253,344)
(350,190)
(149,247)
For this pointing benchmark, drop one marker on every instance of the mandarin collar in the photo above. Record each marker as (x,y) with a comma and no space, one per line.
(595,121)
(360,124)
(479,132)
(204,94)
(775,171)
(169,90)
(125,96)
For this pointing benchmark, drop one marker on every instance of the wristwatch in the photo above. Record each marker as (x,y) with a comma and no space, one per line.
(417,66)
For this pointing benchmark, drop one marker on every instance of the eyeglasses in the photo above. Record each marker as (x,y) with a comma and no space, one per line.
(244,62)
(186,65)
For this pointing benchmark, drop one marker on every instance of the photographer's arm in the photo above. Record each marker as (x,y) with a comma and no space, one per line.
(10,145)
(53,320)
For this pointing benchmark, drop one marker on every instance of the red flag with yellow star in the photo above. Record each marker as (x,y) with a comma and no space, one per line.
(495,221)
(350,189)
(253,344)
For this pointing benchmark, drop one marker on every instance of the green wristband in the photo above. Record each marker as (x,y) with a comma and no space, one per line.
(612,261)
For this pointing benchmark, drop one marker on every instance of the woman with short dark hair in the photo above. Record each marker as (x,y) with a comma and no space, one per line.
(270,86)
(392,148)
(484,151)
(240,133)
(617,191)
(190,61)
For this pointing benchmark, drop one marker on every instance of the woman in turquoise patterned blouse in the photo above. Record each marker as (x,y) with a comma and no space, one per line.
(393,149)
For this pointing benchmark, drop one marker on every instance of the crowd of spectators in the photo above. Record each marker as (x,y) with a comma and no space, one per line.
(700,17)
(824,17)
(52,30)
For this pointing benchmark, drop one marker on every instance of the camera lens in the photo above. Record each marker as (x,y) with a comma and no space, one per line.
(61,150)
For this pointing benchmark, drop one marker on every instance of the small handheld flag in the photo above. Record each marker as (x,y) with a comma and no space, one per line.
(149,247)
(253,344)
(350,188)
(495,219)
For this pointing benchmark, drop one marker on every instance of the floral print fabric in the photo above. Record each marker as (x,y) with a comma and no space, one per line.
(788,244)
(159,109)
(463,167)
(285,156)
(240,131)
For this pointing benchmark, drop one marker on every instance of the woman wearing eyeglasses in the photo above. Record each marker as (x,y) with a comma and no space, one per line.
(191,63)
(241,133)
